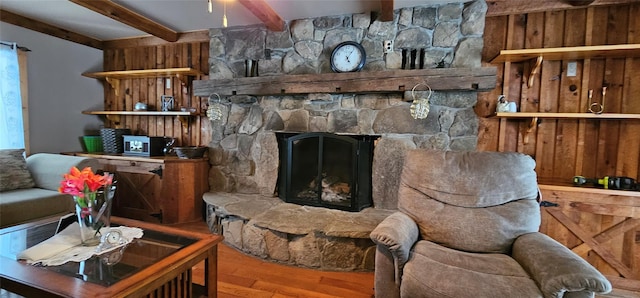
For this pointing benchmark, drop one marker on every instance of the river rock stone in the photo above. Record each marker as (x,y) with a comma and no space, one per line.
(449,12)
(253,121)
(309,50)
(413,38)
(425,17)
(446,34)
(302,30)
(468,53)
(473,18)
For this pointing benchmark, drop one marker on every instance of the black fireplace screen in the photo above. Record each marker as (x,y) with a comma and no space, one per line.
(327,170)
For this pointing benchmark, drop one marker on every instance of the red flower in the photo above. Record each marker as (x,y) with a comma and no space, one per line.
(77,183)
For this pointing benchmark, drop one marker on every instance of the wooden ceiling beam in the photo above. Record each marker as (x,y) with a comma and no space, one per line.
(129,17)
(266,14)
(386,10)
(509,7)
(29,23)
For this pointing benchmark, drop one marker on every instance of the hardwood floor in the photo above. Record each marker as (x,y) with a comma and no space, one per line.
(240,275)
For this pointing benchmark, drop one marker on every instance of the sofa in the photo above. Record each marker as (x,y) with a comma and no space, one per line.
(29,187)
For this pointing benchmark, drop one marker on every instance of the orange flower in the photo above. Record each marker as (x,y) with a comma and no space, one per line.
(77,183)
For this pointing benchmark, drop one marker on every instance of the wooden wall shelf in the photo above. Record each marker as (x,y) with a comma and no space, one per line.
(566,53)
(603,116)
(570,53)
(534,118)
(463,79)
(115,115)
(114,77)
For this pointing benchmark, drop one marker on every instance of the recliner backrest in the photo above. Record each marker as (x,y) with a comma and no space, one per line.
(471,201)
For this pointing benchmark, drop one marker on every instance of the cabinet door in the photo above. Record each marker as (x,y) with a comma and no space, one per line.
(138,192)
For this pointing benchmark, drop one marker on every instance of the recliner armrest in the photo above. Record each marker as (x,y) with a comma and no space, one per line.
(398,233)
(555,268)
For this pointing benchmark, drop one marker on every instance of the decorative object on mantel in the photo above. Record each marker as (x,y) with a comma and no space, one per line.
(214,112)
(93,195)
(420,106)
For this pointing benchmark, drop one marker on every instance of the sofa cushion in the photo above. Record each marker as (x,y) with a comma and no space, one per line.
(47,168)
(24,205)
(431,267)
(14,174)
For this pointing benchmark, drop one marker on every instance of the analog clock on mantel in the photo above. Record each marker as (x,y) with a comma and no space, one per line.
(348,56)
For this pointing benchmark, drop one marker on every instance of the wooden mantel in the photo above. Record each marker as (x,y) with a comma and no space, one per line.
(461,79)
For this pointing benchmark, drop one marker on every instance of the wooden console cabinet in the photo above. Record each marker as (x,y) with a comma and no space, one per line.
(600,225)
(164,190)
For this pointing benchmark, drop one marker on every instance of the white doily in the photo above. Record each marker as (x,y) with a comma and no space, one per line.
(66,246)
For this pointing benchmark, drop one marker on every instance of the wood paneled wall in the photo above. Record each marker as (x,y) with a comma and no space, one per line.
(564,148)
(149,90)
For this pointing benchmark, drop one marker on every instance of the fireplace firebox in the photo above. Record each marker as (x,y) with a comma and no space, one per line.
(326,170)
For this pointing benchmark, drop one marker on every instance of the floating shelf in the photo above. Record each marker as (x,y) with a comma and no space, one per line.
(535,118)
(144,73)
(566,53)
(114,77)
(570,53)
(114,116)
(603,116)
(141,113)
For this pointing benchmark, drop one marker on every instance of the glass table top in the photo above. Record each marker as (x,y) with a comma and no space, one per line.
(105,269)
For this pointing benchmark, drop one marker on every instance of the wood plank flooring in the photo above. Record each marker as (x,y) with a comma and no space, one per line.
(240,275)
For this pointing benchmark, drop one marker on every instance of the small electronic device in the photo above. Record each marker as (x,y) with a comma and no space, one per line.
(144,145)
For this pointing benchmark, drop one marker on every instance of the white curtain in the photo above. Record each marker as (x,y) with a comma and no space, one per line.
(11,128)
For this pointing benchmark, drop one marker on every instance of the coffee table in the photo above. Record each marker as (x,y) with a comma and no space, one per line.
(156,265)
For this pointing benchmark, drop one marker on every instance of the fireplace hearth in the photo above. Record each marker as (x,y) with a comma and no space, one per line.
(326,170)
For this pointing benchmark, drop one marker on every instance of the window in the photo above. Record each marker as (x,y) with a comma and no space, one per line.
(13,90)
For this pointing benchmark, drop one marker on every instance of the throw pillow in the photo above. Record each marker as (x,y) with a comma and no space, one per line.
(14,174)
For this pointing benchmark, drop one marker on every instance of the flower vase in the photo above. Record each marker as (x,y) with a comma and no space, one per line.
(93,210)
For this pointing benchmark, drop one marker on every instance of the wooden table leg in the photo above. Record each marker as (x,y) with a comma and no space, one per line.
(211,272)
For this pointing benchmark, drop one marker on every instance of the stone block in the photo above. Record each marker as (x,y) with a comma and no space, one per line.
(340,253)
(446,34)
(473,18)
(253,240)
(468,53)
(232,231)
(425,17)
(308,49)
(277,245)
(413,38)
(302,29)
(450,12)
(304,251)
(343,121)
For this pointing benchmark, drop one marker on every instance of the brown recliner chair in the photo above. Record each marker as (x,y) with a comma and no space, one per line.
(467,226)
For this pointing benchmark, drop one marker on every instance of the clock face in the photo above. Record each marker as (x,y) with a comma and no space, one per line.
(113,237)
(348,56)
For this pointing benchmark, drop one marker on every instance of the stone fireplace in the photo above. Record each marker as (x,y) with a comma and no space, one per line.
(245,150)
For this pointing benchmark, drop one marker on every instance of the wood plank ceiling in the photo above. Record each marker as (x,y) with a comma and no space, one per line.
(262,10)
